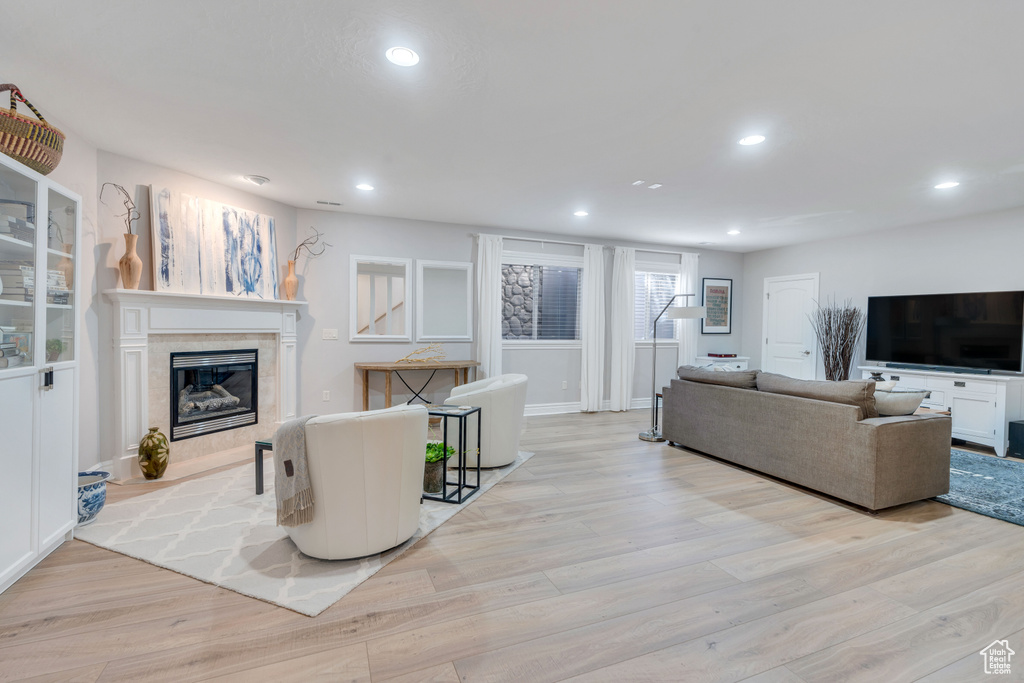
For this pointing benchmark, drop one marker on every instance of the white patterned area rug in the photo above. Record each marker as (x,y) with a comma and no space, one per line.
(216,529)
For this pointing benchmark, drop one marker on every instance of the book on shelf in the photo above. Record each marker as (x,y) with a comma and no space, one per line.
(21,340)
(11,361)
(17,228)
(7,353)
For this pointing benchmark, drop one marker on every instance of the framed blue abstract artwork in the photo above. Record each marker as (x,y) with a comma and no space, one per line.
(205,247)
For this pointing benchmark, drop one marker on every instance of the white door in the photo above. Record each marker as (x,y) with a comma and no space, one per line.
(58,491)
(17,531)
(789,344)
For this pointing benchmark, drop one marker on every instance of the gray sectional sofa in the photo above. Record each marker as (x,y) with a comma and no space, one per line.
(824,436)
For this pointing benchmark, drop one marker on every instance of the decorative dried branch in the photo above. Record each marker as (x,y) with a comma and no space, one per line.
(131,213)
(420,355)
(309,243)
(838,329)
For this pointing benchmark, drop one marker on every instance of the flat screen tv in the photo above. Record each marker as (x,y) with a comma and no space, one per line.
(979,330)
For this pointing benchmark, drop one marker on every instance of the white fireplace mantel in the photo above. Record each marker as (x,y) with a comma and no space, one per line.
(140,314)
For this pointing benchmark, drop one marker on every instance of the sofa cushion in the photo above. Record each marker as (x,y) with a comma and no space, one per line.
(741,379)
(860,393)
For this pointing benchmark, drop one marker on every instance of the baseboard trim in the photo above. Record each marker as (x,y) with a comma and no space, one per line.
(551,408)
(574,407)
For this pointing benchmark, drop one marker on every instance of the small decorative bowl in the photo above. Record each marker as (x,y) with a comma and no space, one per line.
(92,494)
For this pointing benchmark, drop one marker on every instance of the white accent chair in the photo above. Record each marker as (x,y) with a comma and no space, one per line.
(502,401)
(366,470)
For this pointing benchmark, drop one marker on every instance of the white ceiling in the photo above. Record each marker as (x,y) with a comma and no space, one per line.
(523,111)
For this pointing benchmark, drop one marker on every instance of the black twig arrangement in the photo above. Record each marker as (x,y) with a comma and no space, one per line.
(838,328)
(131,213)
(312,244)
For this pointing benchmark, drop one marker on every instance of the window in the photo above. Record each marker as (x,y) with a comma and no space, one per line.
(652,291)
(540,302)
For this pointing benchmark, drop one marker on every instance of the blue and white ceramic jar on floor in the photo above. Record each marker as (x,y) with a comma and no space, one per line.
(92,494)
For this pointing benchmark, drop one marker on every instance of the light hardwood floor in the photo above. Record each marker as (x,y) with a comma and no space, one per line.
(604,558)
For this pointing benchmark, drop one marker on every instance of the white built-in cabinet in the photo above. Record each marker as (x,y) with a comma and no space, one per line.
(40,224)
(981,406)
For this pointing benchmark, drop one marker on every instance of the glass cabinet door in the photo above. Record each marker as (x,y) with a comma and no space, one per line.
(19,230)
(61,253)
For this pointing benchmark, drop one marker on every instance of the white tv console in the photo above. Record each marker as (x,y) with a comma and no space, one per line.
(982,406)
(729,363)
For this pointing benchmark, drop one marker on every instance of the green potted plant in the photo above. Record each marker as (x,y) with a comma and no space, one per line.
(433,474)
(54,347)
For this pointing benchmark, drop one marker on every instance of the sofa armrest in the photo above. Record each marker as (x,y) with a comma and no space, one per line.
(911,457)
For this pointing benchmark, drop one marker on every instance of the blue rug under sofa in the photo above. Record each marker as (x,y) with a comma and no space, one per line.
(987,485)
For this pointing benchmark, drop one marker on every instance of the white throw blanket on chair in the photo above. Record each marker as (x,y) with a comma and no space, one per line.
(291,474)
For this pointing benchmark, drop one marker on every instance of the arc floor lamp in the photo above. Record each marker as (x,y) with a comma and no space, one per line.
(670,312)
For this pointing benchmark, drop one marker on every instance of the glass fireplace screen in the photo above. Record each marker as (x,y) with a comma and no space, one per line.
(212,391)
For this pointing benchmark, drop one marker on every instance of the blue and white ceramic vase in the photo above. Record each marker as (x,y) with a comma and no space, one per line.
(92,494)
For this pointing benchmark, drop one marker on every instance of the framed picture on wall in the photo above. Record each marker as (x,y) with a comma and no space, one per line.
(717,299)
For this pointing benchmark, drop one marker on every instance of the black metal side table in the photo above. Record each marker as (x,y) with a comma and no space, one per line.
(460,490)
(260,447)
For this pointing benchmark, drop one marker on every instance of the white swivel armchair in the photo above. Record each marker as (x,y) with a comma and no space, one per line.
(502,401)
(366,470)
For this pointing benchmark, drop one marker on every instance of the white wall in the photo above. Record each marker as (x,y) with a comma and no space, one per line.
(327,365)
(975,254)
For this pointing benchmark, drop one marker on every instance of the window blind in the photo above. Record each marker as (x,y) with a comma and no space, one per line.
(540,302)
(652,291)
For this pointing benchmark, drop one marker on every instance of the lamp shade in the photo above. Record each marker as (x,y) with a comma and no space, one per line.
(677,312)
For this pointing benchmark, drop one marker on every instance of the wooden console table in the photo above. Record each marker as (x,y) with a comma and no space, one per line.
(433,366)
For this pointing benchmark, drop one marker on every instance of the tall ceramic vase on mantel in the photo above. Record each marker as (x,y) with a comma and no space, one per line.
(291,282)
(130,264)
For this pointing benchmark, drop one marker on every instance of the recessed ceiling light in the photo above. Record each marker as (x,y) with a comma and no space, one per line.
(752,140)
(402,56)
(639,182)
(733,232)
(256,179)
(947,185)
(581,214)
(654,186)
(364,186)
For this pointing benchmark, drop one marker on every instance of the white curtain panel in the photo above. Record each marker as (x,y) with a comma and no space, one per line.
(488,292)
(690,330)
(592,328)
(623,356)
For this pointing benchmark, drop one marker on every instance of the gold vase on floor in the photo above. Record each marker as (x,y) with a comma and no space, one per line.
(154,454)
(291,282)
(130,264)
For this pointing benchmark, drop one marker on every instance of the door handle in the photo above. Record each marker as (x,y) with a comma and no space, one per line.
(807,353)
(47,378)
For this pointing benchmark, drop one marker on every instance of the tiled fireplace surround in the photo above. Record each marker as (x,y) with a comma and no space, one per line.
(149,325)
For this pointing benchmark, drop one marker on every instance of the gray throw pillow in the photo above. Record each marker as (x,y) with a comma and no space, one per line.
(860,393)
(741,379)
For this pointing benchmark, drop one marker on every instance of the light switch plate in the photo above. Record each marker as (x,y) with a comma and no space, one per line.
(331,334)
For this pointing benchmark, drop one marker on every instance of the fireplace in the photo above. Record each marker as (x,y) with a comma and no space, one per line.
(213,391)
